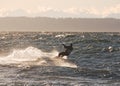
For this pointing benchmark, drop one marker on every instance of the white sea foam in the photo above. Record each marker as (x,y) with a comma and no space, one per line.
(62,35)
(33,56)
(59,36)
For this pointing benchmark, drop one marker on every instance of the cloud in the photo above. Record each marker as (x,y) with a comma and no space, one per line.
(3,12)
(96,12)
(92,12)
(111,10)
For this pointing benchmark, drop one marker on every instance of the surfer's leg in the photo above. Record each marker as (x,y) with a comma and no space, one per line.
(61,54)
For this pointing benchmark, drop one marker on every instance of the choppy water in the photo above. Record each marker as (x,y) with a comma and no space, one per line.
(29,59)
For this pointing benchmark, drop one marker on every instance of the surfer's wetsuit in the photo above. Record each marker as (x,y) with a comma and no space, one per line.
(68,50)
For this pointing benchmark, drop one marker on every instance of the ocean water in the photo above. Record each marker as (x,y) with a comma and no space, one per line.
(29,59)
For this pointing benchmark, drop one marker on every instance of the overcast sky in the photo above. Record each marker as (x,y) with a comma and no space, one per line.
(61,8)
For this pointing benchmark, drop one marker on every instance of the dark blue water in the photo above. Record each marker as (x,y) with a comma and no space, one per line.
(28,59)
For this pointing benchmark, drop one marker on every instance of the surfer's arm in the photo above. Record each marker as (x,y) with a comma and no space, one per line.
(64,45)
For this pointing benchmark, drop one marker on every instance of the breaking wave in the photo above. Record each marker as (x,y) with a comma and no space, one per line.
(32,56)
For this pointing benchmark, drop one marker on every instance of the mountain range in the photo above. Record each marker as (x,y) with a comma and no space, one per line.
(59,24)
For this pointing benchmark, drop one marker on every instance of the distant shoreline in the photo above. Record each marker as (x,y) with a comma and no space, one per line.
(46,24)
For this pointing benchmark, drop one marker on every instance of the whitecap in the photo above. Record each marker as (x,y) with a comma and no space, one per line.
(32,56)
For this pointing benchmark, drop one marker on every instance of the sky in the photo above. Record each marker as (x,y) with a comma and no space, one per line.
(61,8)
